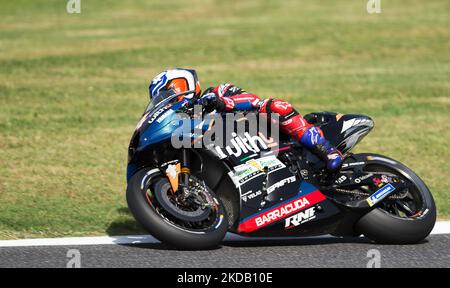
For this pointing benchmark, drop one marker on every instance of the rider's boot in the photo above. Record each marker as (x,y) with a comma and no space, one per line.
(314,140)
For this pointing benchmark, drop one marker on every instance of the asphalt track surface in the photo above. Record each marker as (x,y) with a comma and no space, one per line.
(238,253)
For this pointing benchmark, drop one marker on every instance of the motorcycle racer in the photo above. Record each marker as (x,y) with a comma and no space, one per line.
(230,98)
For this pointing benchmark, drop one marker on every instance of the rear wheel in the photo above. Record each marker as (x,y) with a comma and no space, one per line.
(194,222)
(405,219)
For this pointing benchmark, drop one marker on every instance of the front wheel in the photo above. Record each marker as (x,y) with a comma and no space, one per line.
(197,223)
(399,221)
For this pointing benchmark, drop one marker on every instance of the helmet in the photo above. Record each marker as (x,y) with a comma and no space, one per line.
(176,81)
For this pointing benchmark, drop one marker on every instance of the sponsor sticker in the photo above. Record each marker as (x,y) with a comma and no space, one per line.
(159,113)
(250,195)
(341,179)
(380,181)
(300,218)
(240,145)
(281,211)
(380,194)
(164,116)
(359,179)
(281,183)
(353,164)
(253,168)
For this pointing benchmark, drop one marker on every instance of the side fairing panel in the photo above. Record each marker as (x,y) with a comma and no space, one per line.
(292,215)
(268,191)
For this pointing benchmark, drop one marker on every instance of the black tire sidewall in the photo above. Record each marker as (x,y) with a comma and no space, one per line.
(162,230)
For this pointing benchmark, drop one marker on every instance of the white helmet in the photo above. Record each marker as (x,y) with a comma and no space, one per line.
(179,80)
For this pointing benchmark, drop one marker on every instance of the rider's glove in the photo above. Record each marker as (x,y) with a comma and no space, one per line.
(211,101)
(207,99)
(228,90)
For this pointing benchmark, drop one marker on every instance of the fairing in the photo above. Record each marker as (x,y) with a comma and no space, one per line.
(343,131)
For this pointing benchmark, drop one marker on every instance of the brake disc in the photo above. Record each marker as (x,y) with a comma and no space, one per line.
(179,209)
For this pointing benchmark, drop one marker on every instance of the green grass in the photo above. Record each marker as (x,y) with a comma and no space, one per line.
(72,88)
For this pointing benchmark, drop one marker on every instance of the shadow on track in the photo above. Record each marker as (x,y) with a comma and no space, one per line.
(294,241)
(130,226)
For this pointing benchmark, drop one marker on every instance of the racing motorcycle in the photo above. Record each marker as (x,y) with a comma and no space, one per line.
(256,186)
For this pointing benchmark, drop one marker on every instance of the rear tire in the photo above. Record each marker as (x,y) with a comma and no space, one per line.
(164,231)
(383,227)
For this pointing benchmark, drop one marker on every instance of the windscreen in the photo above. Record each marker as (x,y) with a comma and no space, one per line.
(163,98)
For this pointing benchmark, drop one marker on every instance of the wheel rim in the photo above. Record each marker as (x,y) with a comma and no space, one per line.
(411,205)
(192,220)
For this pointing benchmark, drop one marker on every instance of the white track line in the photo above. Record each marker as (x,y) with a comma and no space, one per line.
(441,227)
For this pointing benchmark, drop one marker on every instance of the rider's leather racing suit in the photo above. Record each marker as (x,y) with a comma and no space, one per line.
(227,97)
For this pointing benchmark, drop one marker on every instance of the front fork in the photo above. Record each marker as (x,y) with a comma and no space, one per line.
(185,171)
(178,173)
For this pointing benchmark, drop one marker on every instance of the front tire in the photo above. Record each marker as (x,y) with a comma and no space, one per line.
(383,227)
(164,230)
